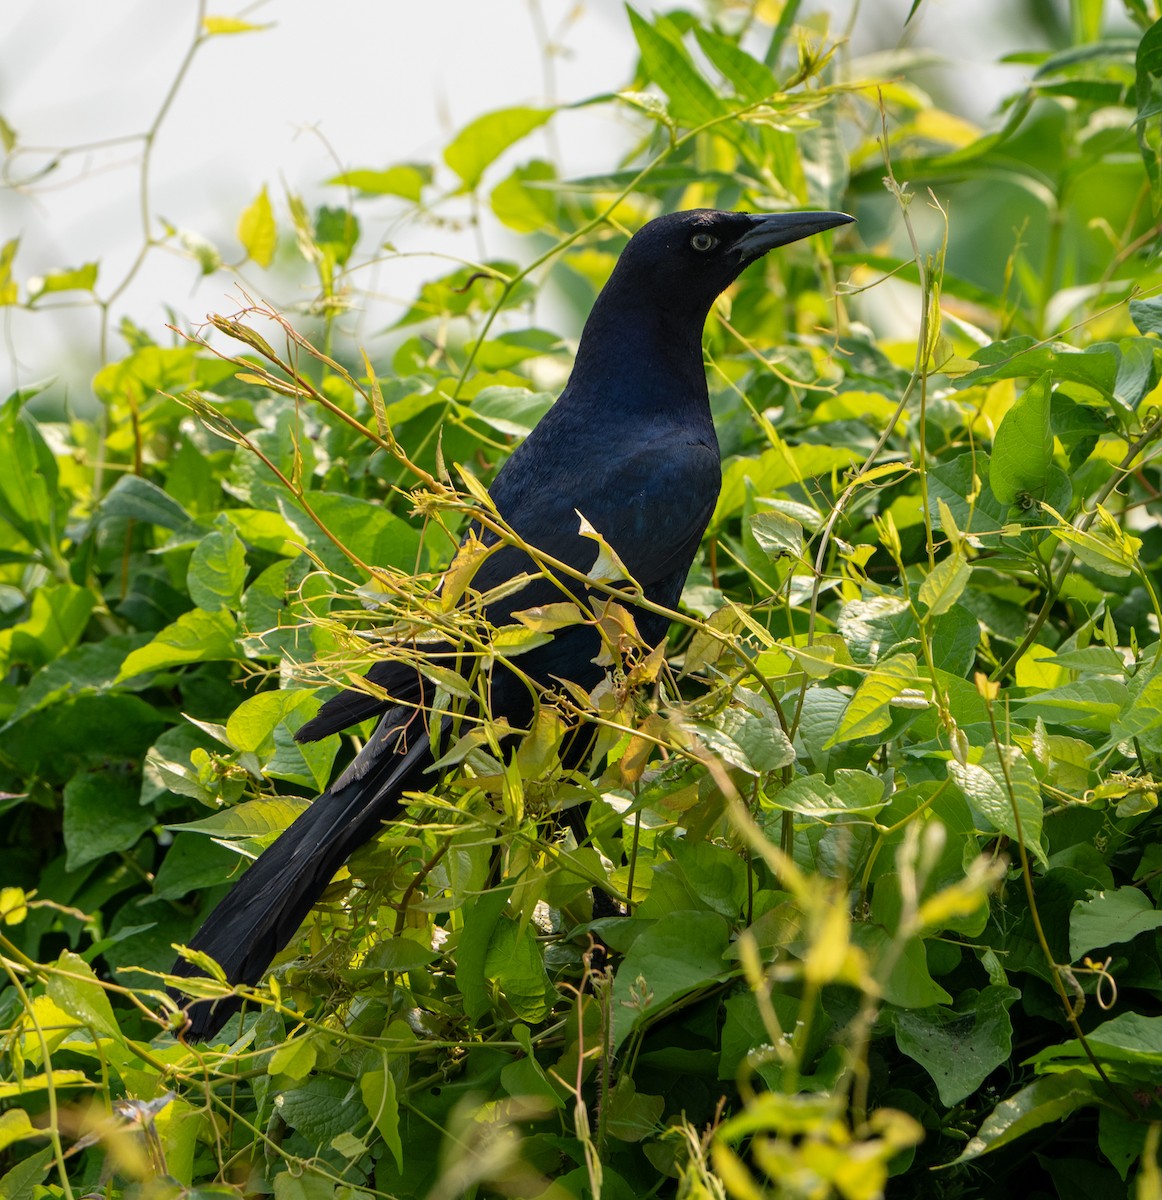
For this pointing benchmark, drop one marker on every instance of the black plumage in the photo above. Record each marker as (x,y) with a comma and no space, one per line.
(629,444)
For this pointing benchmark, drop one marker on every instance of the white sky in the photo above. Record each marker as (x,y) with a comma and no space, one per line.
(366,82)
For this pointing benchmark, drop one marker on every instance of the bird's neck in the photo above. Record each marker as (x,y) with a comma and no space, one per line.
(649,360)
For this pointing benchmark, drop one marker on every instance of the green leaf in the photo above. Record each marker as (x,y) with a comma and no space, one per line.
(78,279)
(945,583)
(959,1048)
(263,819)
(301,1185)
(196,636)
(377,1088)
(512,411)
(102,816)
(518,203)
(257,230)
(681,952)
(1148,95)
(31,500)
(1147,314)
(58,617)
(1090,703)
(75,990)
(1110,918)
(848,792)
(869,712)
(1023,446)
(1141,716)
(777,534)
(481,142)
(480,921)
(986,788)
(378,537)
(693,101)
(1045,1100)
(630,1116)
(23,1181)
(15,1127)
(217,571)
(407,180)
(516,964)
(193,864)
(320,1109)
(296,1059)
(751,79)
(9,292)
(137,499)
(908,982)
(251,726)
(215,26)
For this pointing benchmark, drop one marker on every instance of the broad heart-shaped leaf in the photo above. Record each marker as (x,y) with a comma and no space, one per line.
(262,819)
(1147,314)
(869,711)
(1023,446)
(103,815)
(1131,1038)
(217,570)
(682,951)
(484,140)
(1142,715)
(196,636)
(520,203)
(1110,918)
(516,963)
(777,534)
(74,989)
(1045,1100)
(320,1108)
(138,499)
(909,983)
(849,792)
(1024,357)
(959,1049)
(1090,703)
(986,788)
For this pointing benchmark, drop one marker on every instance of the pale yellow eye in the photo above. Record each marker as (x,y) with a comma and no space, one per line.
(703,241)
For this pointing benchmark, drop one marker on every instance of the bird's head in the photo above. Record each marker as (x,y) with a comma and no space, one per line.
(683,261)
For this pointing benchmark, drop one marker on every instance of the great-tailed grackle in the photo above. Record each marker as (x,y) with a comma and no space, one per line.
(630,445)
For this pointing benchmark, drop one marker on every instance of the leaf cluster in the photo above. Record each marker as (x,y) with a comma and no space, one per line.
(882,821)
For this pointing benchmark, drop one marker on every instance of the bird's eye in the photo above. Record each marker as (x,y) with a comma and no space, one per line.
(703,241)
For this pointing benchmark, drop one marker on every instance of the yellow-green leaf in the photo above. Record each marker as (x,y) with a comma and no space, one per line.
(481,142)
(216,25)
(943,586)
(257,230)
(378,1091)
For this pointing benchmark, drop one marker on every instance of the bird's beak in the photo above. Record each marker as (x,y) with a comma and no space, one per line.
(778,229)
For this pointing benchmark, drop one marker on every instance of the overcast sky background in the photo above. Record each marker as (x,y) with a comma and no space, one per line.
(365,83)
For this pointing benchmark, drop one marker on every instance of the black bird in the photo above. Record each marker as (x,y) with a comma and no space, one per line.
(630,444)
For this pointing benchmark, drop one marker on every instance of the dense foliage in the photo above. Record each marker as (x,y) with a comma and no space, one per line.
(884,823)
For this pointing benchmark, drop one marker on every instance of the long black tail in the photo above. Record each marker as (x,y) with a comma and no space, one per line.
(261,913)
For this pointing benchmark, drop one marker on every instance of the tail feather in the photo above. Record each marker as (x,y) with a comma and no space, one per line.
(261,913)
